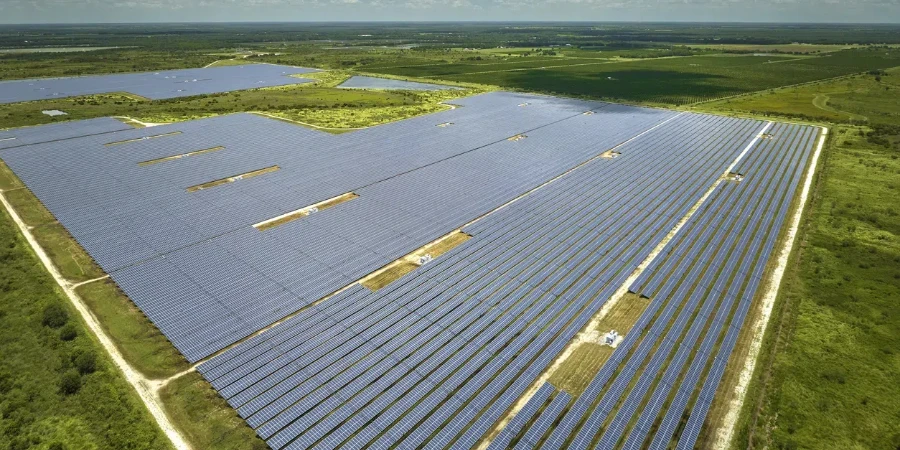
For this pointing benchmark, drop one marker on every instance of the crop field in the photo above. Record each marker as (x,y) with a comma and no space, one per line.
(677,80)
(309,357)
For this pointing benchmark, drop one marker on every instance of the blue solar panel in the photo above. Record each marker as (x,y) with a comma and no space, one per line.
(438,357)
(363,82)
(156,85)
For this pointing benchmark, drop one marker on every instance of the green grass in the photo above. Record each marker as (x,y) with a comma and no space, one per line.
(204,418)
(103,413)
(858,99)
(828,374)
(14,66)
(73,263)
(8,180)
(666,80)
(29,209)
(141,343)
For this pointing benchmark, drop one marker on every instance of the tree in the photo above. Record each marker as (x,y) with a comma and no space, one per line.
(70,382)
(55,316)
(68,332)
(86,363)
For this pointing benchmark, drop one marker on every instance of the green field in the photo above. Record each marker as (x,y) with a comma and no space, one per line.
(675,81)
(860,99)
(15,66)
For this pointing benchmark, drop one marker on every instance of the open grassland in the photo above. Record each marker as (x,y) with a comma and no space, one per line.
(829,369)
(319,104)
(677,80)
(871,98)
(58,389)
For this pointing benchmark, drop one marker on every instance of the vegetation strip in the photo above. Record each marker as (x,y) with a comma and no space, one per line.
(111,144)
(397,269)
(183,155)
(303,212)
(232,179)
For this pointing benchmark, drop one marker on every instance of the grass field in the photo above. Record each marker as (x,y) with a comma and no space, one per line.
(780,48)
(859,99)
(58,389)
(15,65)
(677,81)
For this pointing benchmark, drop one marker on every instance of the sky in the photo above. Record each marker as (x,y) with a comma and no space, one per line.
(97,11)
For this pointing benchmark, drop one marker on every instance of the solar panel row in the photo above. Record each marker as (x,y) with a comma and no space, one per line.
(469,332)
(713,261)
(59,131)
(362,82)
(155,85)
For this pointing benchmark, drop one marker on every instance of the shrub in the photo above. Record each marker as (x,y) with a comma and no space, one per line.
(70,382)
(68,332)
(55,316)
(86,363)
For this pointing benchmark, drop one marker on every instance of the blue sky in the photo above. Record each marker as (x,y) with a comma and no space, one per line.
(92,11)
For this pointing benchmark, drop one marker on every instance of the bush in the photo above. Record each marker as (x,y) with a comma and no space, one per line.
(86,363)
(68,332)
(70,382)
(55,316)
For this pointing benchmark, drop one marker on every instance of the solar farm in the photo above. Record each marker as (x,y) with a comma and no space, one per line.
(156,85)
(270,256)
(363,82)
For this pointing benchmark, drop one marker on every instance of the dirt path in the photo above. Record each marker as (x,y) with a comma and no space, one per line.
(821,102)
(725,433)
(147,389)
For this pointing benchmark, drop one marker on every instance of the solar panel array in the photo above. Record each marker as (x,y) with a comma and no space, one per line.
(436,358)
(156,85)
(439,356)
(363,82)
(702,286)
(59,131)
(192,262)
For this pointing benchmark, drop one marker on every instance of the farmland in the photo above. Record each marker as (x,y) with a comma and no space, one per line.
(282,274)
